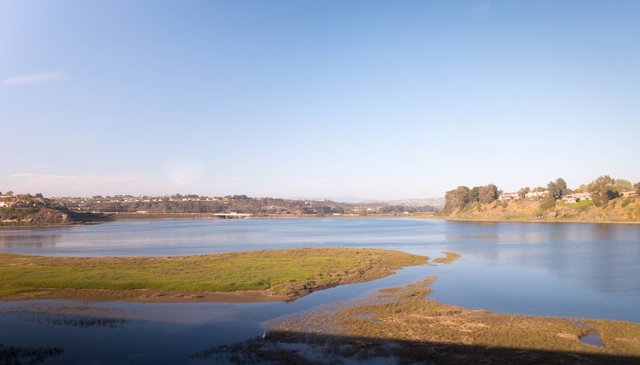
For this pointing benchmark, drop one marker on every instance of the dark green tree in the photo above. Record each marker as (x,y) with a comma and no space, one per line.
(523,192)
(602,190)
(474,195)
(557,189)
(456,199)
(621,185)
(488,193)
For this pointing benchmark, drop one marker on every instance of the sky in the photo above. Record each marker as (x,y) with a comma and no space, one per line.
(348,100)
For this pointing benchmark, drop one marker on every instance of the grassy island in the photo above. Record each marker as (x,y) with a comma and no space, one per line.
(238,276)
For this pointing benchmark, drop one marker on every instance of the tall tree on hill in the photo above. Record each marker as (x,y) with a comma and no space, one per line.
(602,190)
(621,185)
(522,193)
(557,189)
(456,199)
(474,195)
(637,187)
(488,194)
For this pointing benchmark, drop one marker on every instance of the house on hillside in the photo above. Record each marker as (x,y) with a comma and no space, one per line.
(576,197)
(509,196)
(536,194)
(7,203)
(628,193)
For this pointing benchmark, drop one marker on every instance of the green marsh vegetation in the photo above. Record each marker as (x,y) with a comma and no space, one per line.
(269,274)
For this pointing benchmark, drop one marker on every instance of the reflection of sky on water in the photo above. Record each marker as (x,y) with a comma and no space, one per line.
(27,241)
(605,256)
(166,333)
(598,263)
(581,270)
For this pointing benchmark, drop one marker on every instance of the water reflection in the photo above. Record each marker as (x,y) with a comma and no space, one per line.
(596,262)
(160,333)
(579,270)
(28,241)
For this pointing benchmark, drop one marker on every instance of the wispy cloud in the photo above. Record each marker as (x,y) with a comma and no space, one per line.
(35,78)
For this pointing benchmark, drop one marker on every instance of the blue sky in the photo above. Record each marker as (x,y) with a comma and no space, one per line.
(316,99)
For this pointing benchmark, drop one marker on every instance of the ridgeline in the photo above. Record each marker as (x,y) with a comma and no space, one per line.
(35,210)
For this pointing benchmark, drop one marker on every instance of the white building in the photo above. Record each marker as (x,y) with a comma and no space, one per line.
(576,197)
(509,196)
(536,194)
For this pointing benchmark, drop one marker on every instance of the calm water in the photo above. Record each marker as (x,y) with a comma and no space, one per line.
(579,270)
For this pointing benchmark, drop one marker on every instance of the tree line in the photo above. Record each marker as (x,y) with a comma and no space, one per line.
(463,196)
(602,190)
(239,204)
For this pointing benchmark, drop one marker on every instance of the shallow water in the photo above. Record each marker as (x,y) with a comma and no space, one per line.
(579,270)
(592,339)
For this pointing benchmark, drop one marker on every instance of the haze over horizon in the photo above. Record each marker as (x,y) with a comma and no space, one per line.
(357,100)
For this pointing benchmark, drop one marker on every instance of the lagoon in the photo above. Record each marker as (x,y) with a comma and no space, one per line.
(550,269)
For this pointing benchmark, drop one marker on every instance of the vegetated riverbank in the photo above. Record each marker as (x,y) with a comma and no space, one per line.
(270,275)
(206,216)
(402,325)
(620,210)
(46,216)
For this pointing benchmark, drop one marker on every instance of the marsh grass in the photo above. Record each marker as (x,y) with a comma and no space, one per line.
(581,205)
(406,314)
(286,273)
(27,355)
(448,259)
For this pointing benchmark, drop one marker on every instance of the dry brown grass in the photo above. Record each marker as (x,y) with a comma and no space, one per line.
(620,210)
(448,259)
(406,314)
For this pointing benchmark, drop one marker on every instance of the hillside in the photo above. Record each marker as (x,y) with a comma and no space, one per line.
(191,204)
(45,216)
(624,210)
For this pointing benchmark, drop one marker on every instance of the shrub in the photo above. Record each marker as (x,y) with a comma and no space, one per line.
(547,203)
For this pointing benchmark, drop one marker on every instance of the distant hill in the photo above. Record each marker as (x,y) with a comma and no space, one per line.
(437,203)
(181,204)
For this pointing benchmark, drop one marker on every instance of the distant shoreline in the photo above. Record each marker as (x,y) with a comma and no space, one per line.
(433,216)
(167,216)
(208,216)
(526,221)
(201,216)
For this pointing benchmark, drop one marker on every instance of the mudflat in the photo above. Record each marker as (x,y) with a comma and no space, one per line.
(403,325)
